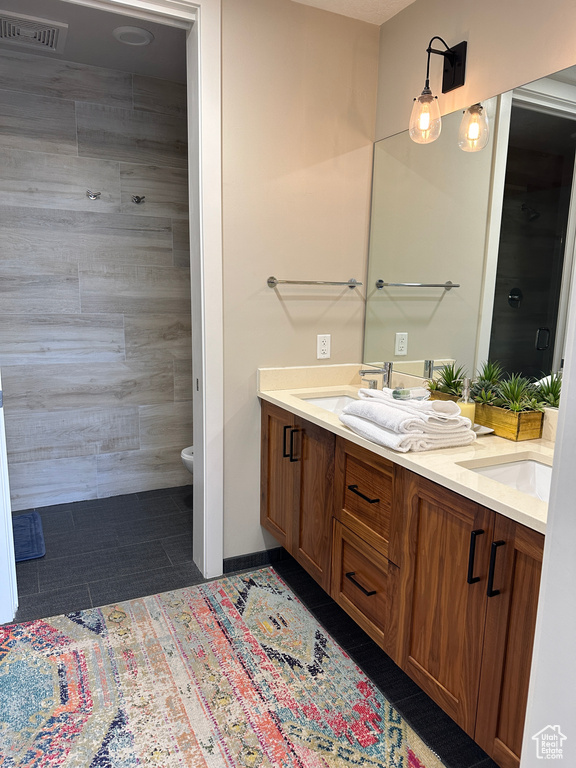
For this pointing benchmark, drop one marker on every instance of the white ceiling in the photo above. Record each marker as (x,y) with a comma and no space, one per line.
(90,41)
(373,11)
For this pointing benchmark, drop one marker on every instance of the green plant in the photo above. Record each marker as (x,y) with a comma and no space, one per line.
(450,379)
(489,375)
(517,393)
(485,387)
(548,392)
(485,396)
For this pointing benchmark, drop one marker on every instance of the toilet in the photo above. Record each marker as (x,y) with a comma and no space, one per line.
(187,456)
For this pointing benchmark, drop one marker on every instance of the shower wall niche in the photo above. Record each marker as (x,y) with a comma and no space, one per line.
(95,337)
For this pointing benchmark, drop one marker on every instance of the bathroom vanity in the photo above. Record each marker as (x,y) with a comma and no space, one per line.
(440,565)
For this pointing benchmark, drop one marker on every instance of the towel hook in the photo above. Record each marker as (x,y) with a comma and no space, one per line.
(136,199)
(93,195)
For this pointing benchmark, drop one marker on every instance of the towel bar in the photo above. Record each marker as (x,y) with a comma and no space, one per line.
(273,282)
(448,285)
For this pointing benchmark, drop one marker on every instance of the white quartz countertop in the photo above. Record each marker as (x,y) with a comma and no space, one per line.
(441,466)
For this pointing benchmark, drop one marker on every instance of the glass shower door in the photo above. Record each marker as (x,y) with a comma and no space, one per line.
(535,212)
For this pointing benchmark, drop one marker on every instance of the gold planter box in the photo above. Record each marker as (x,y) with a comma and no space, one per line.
(435,395)
(526,425)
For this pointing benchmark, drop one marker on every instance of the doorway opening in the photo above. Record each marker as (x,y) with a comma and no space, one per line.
(526,335)
(203,61)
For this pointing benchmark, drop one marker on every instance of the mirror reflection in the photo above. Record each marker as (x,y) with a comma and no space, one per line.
(500,223)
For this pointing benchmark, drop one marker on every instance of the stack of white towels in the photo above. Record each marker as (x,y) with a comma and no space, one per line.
(407,425)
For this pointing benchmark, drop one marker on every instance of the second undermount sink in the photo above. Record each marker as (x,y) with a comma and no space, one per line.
(333,403)
(527,474)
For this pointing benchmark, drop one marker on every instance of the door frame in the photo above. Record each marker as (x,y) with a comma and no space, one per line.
(202,19)
(8,587)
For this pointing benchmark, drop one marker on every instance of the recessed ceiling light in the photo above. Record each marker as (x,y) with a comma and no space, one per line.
(133,35)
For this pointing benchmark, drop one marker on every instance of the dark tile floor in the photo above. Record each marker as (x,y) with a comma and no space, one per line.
(109,550)
(451,744)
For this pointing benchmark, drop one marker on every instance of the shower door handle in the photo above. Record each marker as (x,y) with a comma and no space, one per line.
(515,297)
(542,338)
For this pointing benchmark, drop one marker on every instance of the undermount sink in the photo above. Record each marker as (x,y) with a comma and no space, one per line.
(528,475)
(333,403)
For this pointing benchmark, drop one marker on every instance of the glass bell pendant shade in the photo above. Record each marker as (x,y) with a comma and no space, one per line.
(425,120)
(474,129)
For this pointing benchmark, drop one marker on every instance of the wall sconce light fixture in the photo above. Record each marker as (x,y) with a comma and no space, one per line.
(425,121)
(474,129)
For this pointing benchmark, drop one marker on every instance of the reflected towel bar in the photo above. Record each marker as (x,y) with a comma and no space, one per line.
(273,282)
(447,285)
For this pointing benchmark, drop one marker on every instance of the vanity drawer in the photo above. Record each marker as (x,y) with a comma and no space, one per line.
(364,496)
(364,584)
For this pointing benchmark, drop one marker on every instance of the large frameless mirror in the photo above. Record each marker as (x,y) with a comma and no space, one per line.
(499,223)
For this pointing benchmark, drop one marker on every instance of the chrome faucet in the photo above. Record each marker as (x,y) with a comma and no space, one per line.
(385,371)
(429,368)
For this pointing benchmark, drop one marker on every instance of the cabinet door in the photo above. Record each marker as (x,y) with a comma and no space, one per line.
(443,626)
(313,500)
(508,641)
(278,472)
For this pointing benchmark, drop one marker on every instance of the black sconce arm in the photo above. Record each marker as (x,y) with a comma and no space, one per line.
(454,64)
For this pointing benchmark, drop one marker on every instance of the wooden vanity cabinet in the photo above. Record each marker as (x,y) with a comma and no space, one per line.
(448,588)
(297,473)
(469,595)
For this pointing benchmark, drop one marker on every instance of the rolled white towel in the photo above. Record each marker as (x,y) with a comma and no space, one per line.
(403,420)
(444,409)
(404,442)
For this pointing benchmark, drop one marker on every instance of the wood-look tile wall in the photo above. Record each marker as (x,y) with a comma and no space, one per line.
(95,337)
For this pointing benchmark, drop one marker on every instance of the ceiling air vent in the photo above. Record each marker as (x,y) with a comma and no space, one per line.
(30,32)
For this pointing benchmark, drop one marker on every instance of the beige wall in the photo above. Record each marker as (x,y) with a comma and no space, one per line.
(299,89)
(509,43)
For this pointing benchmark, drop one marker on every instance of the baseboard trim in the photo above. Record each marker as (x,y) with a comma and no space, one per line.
(255,559)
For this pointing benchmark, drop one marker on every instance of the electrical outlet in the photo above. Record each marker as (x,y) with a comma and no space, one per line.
(401,344)
(323,346)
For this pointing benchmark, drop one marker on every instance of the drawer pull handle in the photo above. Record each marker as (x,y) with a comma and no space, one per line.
(291,453)
(354,489)
(351,575)
(285,453)
(471,578)
(491,592)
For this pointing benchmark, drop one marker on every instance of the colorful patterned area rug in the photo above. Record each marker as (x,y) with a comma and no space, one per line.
(235,672)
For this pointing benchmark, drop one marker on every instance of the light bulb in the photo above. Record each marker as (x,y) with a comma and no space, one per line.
(425,120)
(474,129)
